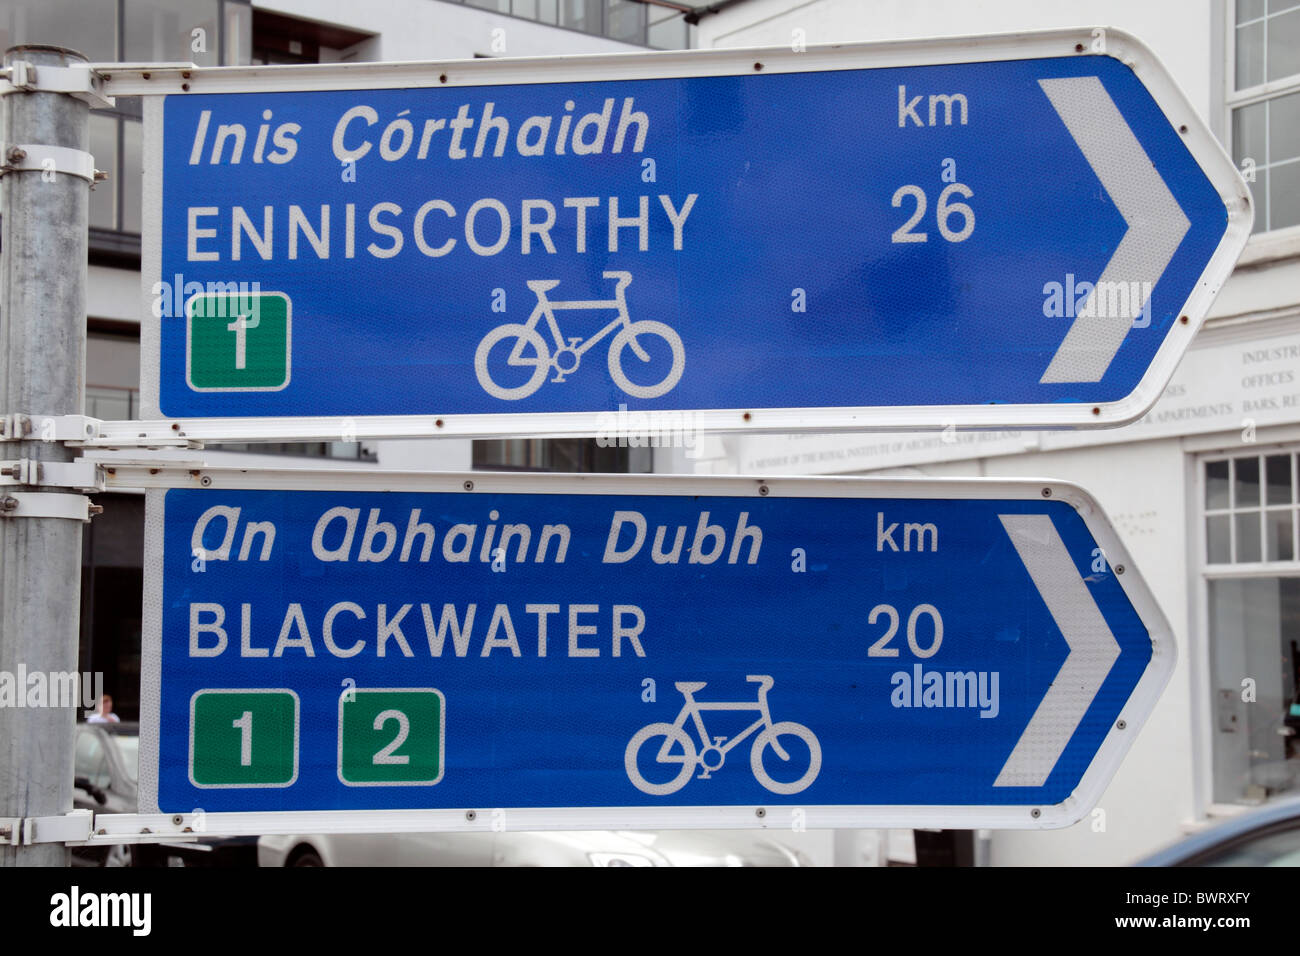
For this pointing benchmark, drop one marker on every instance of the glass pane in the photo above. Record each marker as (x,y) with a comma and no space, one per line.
(524,8)
(625,20)
(1283,45)
(110,404)
(103,146)
(132,178)
(1253,627)
(1271,849)
(1278,544)
(171,30)
(88,26)
(1218,543)
(580,15)
(1277,472)
(1246,482)
(500,6)
(1216,484)
(1248,133)
(1277,6)
(1284,196)
(238,37)
(1259,193)
(1247,537)
(1250,55)
(667,33)
(548,11)
(1249,10)
(1283,128)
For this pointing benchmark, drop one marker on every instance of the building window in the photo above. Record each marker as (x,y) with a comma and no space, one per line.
(1250,505)
(1250,509)
(558,454)
(658,25)
(107,31)
(1264,106)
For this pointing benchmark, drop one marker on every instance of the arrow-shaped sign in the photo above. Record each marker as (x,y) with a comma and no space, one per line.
(656,651)
(1093,651)
(997,231)
(1156,226)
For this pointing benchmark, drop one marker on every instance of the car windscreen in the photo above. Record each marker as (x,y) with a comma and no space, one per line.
(130,748)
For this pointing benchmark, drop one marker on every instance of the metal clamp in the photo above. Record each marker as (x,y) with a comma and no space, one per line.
(45,504)
(81,474)
(29,158)
(20,427)
(71,827)
(79,81)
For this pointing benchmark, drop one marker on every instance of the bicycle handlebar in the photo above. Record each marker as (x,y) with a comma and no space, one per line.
(764,680)
(624,278)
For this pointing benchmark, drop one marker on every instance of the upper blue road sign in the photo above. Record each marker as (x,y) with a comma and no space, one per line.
(979,232)
(872,652)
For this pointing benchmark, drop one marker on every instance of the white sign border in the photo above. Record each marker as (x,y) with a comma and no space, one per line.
(768,816)
(154,81)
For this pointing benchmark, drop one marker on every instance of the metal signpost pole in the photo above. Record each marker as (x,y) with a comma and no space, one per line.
(44,199)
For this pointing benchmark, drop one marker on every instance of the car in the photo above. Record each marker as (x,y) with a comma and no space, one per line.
(105,770)
(1266,836)
(542,848)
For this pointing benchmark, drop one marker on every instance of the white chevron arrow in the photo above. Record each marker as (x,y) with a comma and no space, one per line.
(1156,223)
(1093,650)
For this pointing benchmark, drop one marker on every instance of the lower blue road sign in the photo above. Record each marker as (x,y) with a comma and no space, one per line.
(683,650)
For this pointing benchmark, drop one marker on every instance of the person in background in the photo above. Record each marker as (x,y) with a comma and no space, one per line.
(104,713)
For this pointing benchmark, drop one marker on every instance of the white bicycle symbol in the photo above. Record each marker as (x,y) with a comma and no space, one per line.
(711,756)
(531,350)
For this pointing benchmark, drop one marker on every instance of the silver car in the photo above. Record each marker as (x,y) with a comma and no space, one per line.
(542,848)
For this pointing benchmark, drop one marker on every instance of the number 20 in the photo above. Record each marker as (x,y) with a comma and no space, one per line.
(882,649)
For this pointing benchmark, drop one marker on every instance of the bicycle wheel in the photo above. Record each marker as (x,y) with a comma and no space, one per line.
(517,357)
(769,738)
(672,734)
(627,336)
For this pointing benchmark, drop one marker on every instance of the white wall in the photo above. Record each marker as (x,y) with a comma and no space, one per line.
(1178,31)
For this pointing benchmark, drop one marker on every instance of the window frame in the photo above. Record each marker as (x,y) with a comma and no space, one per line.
(1234,99)
(1202,573)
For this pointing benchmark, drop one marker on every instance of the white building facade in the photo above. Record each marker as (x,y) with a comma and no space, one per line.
(1203,490)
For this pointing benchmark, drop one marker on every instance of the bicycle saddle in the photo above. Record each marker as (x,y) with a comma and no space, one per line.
(542,285)
(690,687)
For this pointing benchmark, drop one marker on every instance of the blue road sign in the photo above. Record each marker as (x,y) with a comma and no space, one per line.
(867,651)
(1007,231)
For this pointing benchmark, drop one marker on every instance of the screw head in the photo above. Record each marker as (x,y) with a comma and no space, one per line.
(762,489)
(177,820)
(1035,813)
(1121,724)
(205,481)
(471,815)
(1047,492)
(1119,569)
(760,813)
(469,486)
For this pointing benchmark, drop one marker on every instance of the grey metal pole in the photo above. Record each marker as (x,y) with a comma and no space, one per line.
(42,372)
